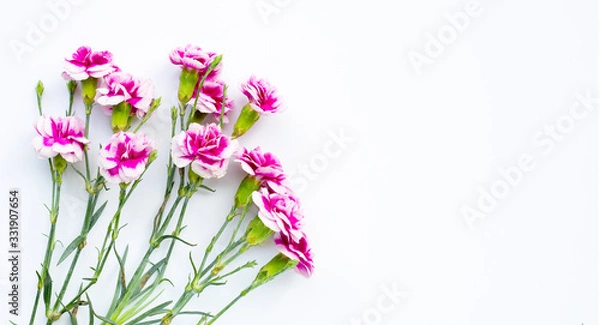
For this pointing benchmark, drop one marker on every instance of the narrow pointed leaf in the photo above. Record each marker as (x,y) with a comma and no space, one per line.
(72,246)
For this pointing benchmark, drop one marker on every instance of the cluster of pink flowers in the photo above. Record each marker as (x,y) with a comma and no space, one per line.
(115,87)
(204,148)
(279,208)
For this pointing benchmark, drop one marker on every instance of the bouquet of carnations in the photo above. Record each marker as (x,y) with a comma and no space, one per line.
(200,150)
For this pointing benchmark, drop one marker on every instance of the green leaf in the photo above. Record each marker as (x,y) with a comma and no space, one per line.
(72,318)
(147,277)
(191,312)
(72,246)
(121,261)
(150,322)
(47,289)
(97,215)
(175,238)
(160,309)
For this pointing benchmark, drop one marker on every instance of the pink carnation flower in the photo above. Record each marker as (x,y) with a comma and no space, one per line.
(206,148)
(85,63)
(60,136)
(192,57)
(279,211)
(296,250)
(121,87)
(262,96)
(264,166)
(124,158)
(210,99)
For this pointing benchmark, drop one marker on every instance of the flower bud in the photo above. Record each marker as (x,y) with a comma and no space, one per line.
(187,83)
(88,90)
(152,157)
(245,121)
(257,232)
(243,196)
(121,117)
(39,89)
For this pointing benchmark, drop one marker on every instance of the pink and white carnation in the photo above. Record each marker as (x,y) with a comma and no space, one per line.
(85,63)
(192,57)
(206,148)
(124,158)
(280,211)
(262,96)
(119,87)
(60,136)
(296,250)
(210,99)
(264,166)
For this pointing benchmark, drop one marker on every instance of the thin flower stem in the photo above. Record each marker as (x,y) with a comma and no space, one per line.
(196,286)
(111,233)
(192,188)
(42,276)
(88,113)
(231,303)
(135,281)
(210,246)
(56,186)
(91,206)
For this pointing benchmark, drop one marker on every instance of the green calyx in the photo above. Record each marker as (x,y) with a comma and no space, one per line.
(257,232)
(243,196)
(187,83)
(121,117)
(88,90)
(245,121)
(279,264)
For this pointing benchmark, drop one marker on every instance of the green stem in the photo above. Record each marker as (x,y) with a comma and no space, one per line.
(54,211)
(91,205)
(196,286)
(231,303)
(139,272)
(88,113)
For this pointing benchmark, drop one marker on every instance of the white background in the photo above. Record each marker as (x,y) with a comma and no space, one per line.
(386,210)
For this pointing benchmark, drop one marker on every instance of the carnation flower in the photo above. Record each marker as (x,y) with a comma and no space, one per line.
(60,136)
(263,100)
(296,250)
(210,99)
(262,96)
(192,57)
(124,158)
(264,166)
(279,211)
(206,148)
(194,64)
(122,87)
(85,63)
